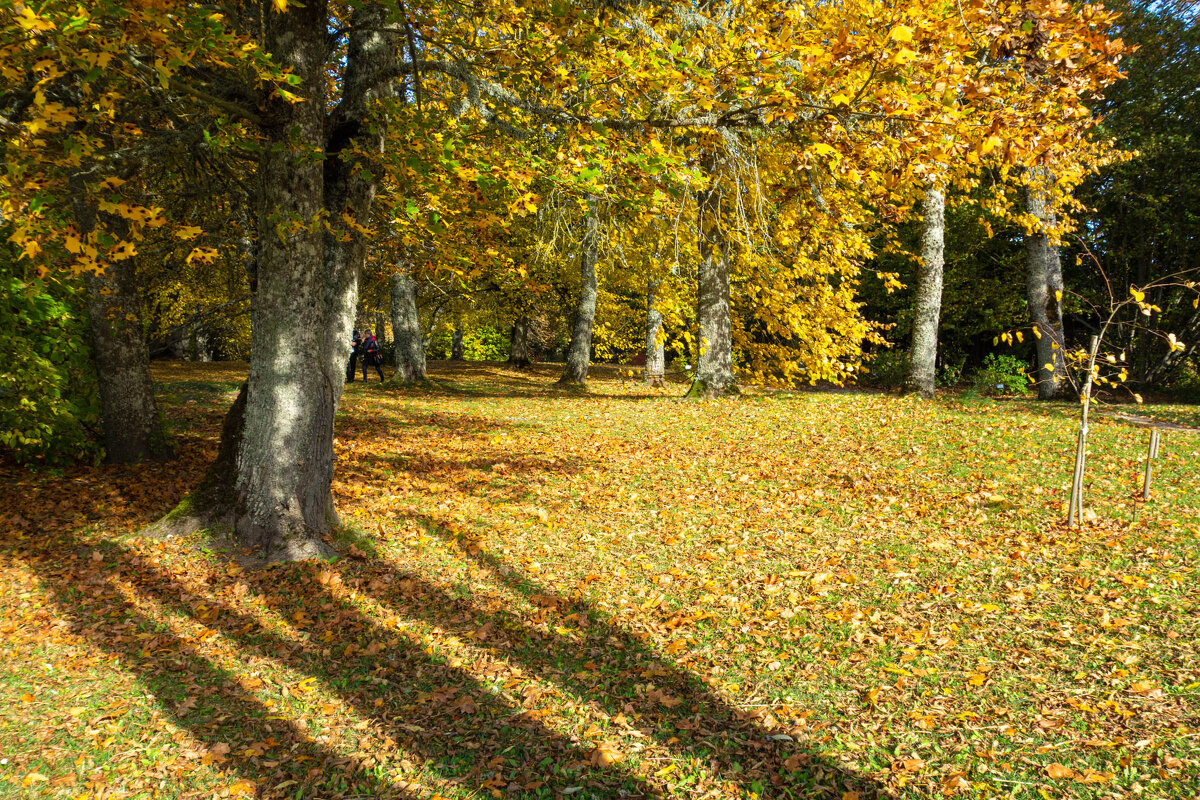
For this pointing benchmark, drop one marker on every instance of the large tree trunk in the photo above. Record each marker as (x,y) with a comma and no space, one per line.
(656,361)
(132,428)
(1045,286)
(922,358)
(406,327)
(277,497)
(518,344)
(456,344)
(714,366)
(129,414)
(579,354)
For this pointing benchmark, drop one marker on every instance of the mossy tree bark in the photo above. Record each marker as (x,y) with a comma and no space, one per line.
(656,361)
(518,344)
(579,354)
(1044,284)
(922,356)
(406,328)
(272,482)
(456,344)
(714,366)
(129,413)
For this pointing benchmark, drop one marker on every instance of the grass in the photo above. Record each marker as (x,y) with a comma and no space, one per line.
(618,594)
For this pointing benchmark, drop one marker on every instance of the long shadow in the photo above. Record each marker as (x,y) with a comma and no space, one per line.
(658,698)
(220,714)
(458,716)
(475,733)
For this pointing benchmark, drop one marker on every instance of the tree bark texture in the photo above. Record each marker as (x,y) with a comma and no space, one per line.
(456,344)
(129,413)
(656,361)
(132,428)
(922,359)
(579,354)
(714,366)
(1044,284)
(406,329)
(279,498)
(518,345)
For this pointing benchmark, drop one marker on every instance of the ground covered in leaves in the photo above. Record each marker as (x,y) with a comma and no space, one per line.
(619,595)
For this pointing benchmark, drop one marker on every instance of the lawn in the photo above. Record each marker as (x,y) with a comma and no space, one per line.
(545,594)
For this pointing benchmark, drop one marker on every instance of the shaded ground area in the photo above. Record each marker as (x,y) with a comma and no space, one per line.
(619,594)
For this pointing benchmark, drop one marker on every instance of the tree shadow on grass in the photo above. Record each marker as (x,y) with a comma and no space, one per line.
(467,731)
(461,721)
(619,673)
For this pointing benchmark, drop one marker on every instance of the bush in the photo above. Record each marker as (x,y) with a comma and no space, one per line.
(1001,375)
(888,369)
(480,343)
(950,373)
(48,399)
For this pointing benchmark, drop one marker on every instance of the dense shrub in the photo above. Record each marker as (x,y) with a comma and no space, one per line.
(49,405)
(1001,375)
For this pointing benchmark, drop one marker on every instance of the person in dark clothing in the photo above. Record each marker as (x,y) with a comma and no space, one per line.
(372,355)
(355,348)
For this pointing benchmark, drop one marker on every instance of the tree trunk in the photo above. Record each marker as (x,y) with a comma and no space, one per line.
(406,327)
(579,354)
(518,345)
(922,359)
(380,326)
(1045,286)
(714,366)
(656,362)
(132,429)
(129,413)
(277,496)
(456,345)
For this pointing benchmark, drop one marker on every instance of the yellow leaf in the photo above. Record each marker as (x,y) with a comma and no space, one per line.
(902,33)
(1057,770)
(280,5)
(1139,296)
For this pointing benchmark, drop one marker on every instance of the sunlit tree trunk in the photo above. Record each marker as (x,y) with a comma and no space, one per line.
(456,344)
(714,366)
(656,362)
(922,359)
(272,482)
(518,344)
(579,354)
(406,327)
(1044,284)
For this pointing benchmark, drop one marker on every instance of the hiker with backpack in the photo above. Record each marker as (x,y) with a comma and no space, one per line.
(372,354)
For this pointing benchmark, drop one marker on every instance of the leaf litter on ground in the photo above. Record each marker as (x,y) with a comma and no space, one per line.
(618,594)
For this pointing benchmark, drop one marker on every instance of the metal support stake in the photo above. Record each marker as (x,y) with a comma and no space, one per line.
(1075,505)
(1151,456)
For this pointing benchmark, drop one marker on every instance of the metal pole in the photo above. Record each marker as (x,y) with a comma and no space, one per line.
(1075,504)
(1151,456)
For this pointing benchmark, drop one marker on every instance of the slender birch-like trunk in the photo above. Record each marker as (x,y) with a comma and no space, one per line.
(579,354)
(922,360)
(714,366)
(656,362)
